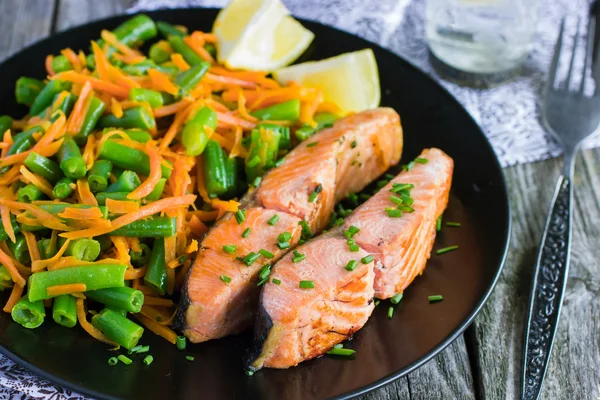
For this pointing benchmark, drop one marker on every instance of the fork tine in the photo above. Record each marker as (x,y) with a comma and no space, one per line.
(589,48)
(554,64)
(573,53)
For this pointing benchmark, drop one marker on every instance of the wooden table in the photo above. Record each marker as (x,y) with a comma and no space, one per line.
(485,362)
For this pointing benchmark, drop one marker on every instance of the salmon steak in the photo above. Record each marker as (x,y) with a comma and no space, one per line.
(323,292)
(294,201)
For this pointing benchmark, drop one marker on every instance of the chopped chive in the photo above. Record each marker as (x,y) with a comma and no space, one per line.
(341,352)
(279,162)
(148,359)
(366,259)
(264,272)
(407,209)
(338,346)
(298,257)
(276,281)
(453,224)
(315,193)
(364,196)
(181,342)
(283,245)
(284,237)
(377,302)
(389,176)
(420,160)
(266,253)
(240,216)
(354,247)
(396,200)
(262,282)
(246,233)
(229,248)
(113,361)
(225,279)
(312,144)
(354,144)
(396,299)
(438,224)
(409,166)
(350,242)
(306,285)
(446,250)
(351,231)
(435,297)
(390,312)
(139,349)
(250,258)
(351,266)
(338,222)
(353,197)
(249,372)
(189,358)
(253,162)
(124,359)
(306,232)
(256,181)
(382,183)
(273,220)
(402,188)
(393,212)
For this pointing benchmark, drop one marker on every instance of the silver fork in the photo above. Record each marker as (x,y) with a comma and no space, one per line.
(570,116)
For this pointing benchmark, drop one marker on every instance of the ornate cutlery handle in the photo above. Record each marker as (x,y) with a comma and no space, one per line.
(550,278)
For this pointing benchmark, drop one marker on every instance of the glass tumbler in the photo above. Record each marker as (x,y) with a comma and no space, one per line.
(480,42)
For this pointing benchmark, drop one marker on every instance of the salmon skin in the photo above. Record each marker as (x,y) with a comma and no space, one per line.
(220,296)
(299,321)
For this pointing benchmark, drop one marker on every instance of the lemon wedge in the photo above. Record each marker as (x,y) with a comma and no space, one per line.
(259,35)
(349,80)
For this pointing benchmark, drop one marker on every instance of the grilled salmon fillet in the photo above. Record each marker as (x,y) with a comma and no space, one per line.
(220,295)
(296,323)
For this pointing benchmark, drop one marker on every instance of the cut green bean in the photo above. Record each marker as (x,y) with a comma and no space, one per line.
(129,158)
(142,68)
(71,162)
(83,249)
(98,175)
(43,166)
(56,208)
(47,248)
(264,146)
(102,196)
(156,274)
(64,310)
(152,97)
(127,182)
(188,80)
(97,276)
(60,64)
(194,136)
(21,142)
(64,188)
(134,31)
(134,117)
(325,120)
(19,249)
(5,123)
(66,104)
(118,328)
(167,29)
(29,314)
(92,116)
(142,258)
(188,54)
(158,54)
(46,95)
(29,193)
(286,111)
(158,190)
(27,89)
(155,227)
(120,298)
(220,171)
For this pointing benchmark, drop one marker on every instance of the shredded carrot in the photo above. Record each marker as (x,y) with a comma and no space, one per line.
(77,116)
(48,64)
(226,119)
(32,246)
(85,194)
(229,81)
(7,140)
(89,328)
(182,273)
(41,264)
(135,273)
(174,128)
(116,108)
(73,59)
(171,108)
(47,151)
(57,290)
(309,108)
(97,84)
(158,316)
(200,180)
(129,59)
(157,328)
(170,249)
(88,152)
(81,213)
(15,296)
(12,270)
(134,244)
(196,42)
(37,181)
(112,39)
(179,62)
(122,247)
(55,131)
(192,247)
(242,108)
(223,206)
(6,223)
(161,82)
(197,227)
(122,206)
(155,175)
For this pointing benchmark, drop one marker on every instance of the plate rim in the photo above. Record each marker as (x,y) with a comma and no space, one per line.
(461,326)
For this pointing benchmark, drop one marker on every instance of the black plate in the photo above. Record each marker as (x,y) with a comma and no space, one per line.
(386,349)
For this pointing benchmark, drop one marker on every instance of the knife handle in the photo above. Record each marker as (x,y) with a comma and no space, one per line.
(548,288)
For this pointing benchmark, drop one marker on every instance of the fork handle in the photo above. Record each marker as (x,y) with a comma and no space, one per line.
(549,283)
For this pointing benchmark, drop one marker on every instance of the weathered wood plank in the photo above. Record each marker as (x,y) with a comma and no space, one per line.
(23,22)
(76,12)
(574,371)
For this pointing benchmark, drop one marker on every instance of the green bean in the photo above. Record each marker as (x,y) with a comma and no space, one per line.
(168,98)
(264,146)
(167,29)
(134,117)
(15,225)
(188,80)
(29,314)
(142,68)
(96,276)
(57,208)
(98,175)
(92,116)
(29,193)
(151,227)
(286,111)
(46,95)
(156,274)
(47,248)
(70,159)
(119,298)
(66,105)
(5,123)
(220,172)
(83,249)
(285,140)
(134,134)
(134,31)
(158,54)
(304,132)
(63,188)
(105,242)
(27,89)
(43,166)
(152,97)
(142,258)
(127,182)
(118,328)
(90,62)
(19,249)
(102,196)
(22,142)
(212,50)
(194,136)
(61,63)
(64,310)
(158,190)
(127,158)
(5,279)
(188,54)
(325,120)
